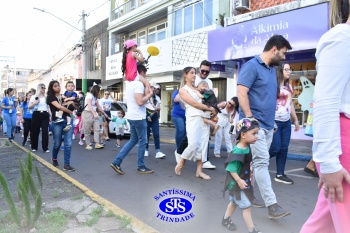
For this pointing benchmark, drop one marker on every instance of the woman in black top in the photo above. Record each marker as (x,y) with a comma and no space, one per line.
(54,100)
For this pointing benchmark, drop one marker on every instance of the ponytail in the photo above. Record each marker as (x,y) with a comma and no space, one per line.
(125,53)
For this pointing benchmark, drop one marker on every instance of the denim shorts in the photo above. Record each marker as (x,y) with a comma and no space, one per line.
(244,203)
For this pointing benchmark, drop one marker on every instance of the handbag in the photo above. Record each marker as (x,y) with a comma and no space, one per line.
(308,129)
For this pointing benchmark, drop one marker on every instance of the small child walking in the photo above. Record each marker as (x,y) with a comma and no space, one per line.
(101,120)
(120,124)
(239,180)
(76,124)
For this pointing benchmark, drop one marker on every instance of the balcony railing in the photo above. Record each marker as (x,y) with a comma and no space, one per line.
(127,7)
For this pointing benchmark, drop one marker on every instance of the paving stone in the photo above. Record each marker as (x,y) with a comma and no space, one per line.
(73,206)
(80,230)
(107,224)
(89,209)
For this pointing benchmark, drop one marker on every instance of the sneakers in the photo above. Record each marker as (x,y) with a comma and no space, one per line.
(177,157)
(117,145)
(98,146)
(10,140)
(68,127)
(55,163)
(160,155)
(208,165)
(88,147)
(62,147)
(255,230)
(257,203)
(146,153)
(33,150)
(68,168)
(81,143)
(144,170)
(58,120)
(276,211)
(73,137)
(229,224)
(47,151)
(117,168)
(283,179)
(311,172)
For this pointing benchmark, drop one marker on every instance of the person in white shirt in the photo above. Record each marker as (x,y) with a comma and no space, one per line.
(204,70)
(106,105)
(136,115)
(331,125)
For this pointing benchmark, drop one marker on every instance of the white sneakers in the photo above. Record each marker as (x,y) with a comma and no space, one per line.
(208,165)
(160,155)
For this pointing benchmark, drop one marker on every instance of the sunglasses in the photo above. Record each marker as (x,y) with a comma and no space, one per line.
(106,93)
(205,71)
(43,87)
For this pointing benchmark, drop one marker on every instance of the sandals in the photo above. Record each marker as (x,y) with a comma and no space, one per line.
(178,169)
(217,155)
(107,138)
(203,176)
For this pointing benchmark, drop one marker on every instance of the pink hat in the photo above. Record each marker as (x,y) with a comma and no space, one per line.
(130,43)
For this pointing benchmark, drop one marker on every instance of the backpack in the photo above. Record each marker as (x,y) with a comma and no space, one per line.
(80,104)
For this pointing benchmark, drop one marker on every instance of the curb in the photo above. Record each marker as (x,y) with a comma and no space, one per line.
(137,225)
(223,148)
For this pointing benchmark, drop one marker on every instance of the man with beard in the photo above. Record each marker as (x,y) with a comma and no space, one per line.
(256,91)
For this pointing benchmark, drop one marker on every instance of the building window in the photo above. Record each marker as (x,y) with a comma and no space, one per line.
(142,38)
(157,33)
(97,55)
(192,15)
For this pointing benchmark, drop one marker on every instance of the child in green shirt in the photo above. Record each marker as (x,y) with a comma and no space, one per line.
(239,180)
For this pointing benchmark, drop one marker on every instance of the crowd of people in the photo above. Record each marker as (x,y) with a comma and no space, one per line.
(263,131)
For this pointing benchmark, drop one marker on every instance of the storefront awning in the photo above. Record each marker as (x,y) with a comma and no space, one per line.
(108,83)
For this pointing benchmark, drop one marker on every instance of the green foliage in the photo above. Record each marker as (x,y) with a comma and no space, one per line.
(40,180)
(9,199)
(25,186)
(96,214)
(124,220)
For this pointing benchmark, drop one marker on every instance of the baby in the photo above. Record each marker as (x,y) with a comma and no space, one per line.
(208,98)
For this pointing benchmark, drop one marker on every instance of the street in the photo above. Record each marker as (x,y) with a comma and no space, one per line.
(142,195)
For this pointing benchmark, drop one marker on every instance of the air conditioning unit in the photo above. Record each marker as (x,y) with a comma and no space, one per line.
(241,5)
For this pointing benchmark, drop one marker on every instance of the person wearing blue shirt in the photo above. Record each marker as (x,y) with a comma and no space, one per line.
(257,91)
(26,114)
(178,117)
(8,106)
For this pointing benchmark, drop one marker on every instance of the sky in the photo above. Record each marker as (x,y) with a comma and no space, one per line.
(33,37)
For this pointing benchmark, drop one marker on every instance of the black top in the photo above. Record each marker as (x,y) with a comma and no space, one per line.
(53,109)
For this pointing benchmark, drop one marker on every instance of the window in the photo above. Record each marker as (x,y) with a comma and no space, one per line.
(97,55)
(157,33)
(142,38)
(192,15)
(132,37)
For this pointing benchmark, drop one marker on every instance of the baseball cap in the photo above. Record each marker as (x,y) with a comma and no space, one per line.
(130,43)
(155,85)
(246,124)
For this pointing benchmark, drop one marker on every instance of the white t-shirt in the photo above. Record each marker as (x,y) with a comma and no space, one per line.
(93,101)
(106,104)
(135,112)
(41,106)
(199,79)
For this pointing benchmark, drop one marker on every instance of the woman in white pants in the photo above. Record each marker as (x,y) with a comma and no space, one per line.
(225,119)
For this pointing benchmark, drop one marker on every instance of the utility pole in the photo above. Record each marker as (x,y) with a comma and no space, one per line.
(83,31)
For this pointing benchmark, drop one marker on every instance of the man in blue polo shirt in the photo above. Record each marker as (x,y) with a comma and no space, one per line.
(256,90)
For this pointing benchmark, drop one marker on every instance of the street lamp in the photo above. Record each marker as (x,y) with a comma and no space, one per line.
(83,31)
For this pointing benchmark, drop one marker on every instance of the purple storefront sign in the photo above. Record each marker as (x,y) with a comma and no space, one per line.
(303,29)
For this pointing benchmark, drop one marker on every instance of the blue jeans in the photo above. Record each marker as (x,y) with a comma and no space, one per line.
(244,203)
(180,129)
(10,119)
(155,131)
(137,136)
(57,132)
(280,143)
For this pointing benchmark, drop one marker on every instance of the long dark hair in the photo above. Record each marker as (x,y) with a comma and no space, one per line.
(95,90)
(50,92)
(8,90)
(25,101)
(125,53)
(235,100)
(280,78)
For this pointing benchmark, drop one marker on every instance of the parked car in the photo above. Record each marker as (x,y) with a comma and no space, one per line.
(116,107)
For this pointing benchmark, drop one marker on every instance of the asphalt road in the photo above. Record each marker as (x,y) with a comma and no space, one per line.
(141,195)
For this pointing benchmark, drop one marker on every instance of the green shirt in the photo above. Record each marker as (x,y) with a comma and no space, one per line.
(235,166)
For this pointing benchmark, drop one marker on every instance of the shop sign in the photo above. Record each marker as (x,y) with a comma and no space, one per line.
(302,28)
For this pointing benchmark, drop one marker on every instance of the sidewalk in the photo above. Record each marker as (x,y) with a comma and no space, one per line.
(298,149)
